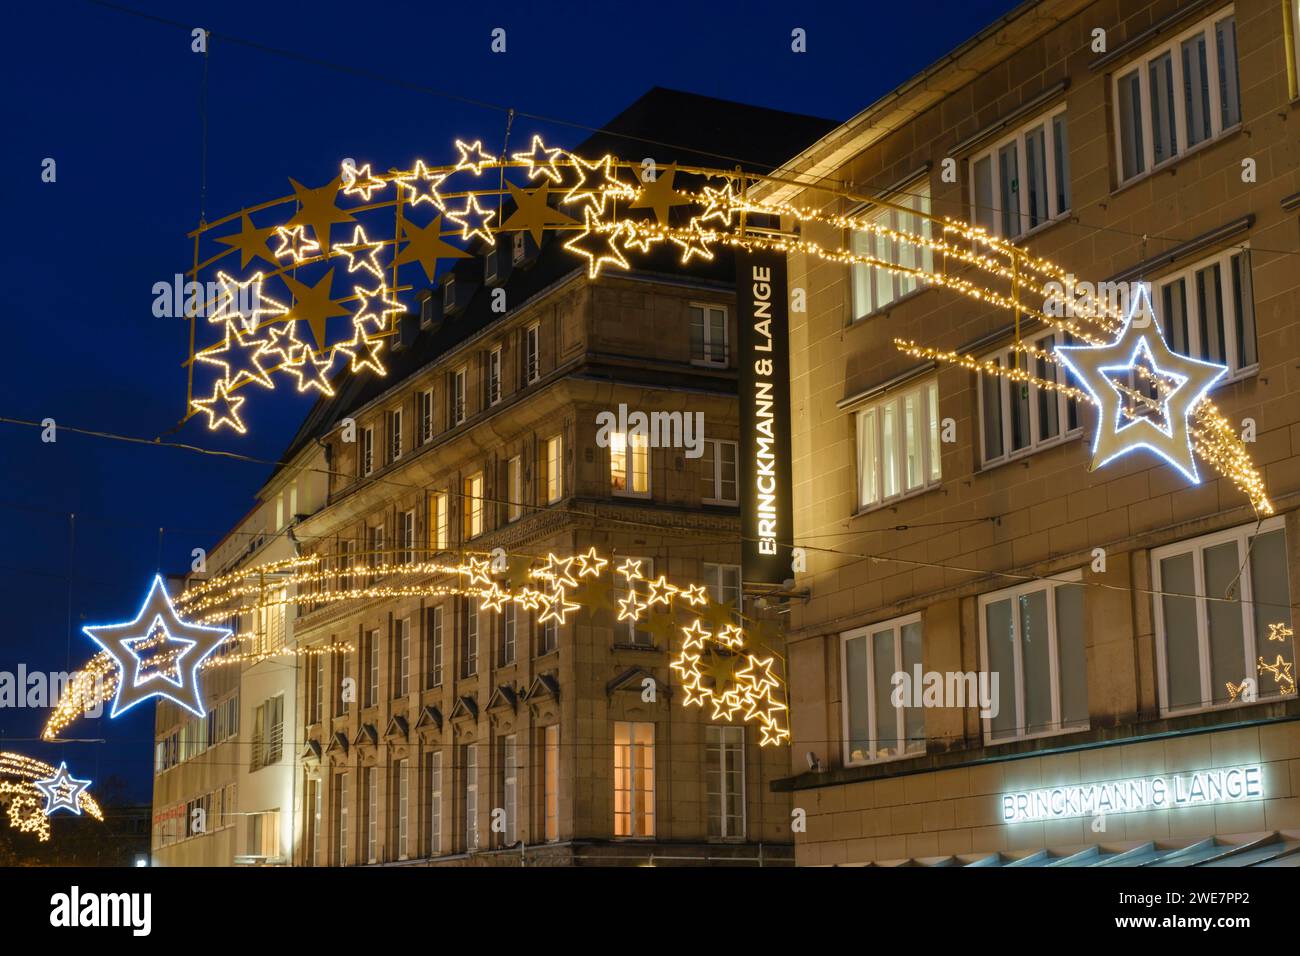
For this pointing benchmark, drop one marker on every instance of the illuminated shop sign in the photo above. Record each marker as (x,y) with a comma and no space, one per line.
(1165,792)
(766,512)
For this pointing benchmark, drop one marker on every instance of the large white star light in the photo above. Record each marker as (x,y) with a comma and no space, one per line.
(178,648)
(62,791)
(1181,382)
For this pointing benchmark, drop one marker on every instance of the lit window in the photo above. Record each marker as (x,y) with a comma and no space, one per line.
(724,780)
(1023,180)
(874,729)
(515,488)
(473,506)
(1017,418)
(1175,97)
(634,779)
(1033,640)
(629,467)
(718,464)
(438,521)
(898,445)
(876,286)
(1218,599)
(708,334)
(554,475)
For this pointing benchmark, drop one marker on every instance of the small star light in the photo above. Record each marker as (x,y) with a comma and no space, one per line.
(360,182)
(1279,631)
(472,157)
(62,791)
(540,160)
(184,648)
(1119,433)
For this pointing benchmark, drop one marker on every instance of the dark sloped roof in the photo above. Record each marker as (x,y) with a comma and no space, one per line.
(668,125)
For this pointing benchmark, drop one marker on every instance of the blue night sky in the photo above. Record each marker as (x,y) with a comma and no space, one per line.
(114,99)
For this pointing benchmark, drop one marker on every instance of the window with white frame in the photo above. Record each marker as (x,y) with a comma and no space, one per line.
(434,790)
(1177,96)
(634,779)
(367,452)
(708,334)
(372,668)
(551,782)
(509,789)
(426,415)
(402,638)
(548,636)
(406,529)
(876,286)
(456,401)
(438,517)
(342,796)
(508,620)
(1207,311)
(898,444)
(1023,180)
(515,488)
(342,672)
(401,789)
(469,622)
(318,690)
(636,632)
(372,815)
(723,582)
(494,376)
(1223,612)
(629,464)
(433,649)
(469,767)
(375,545)
(1017,418)
(724,781)
(874,728)
(554,464)
(347,550)
(394,434)
(315,801)
(719,468)
(1033,639)
(532,354)
(472,505)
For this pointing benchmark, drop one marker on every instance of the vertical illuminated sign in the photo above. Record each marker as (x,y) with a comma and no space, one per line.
(765,504)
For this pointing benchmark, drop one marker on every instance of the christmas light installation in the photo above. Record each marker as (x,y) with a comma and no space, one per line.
(179,648)
(719,661)
(62,791)
(32,791)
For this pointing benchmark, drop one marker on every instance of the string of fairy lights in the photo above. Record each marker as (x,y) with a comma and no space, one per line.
(32,791)
(722,661)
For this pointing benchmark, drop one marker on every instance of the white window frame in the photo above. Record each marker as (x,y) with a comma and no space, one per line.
(1196,546)
(510,788)
(367,451)
(469,645)
(435,803)
(509,634)
(403,626)
(992,153)
(1142,65)
(372,668)
(532,353)
(515,488)
(394,434)
(494,376)
(917,197)
(707,359)
(551,783)
(868,422)
(439,520)
(636,797)
(470,753)
(638,448)
(1232,325)
(554,445)
(1004,385)
(717,801)
(716,480)
(474,504)
(1013,594)
(715,575)
(408,537)
(435,646)
(895,625)
(426,415)
(456,400)
(641,586)
(372,815)
(341,816)
(403,808)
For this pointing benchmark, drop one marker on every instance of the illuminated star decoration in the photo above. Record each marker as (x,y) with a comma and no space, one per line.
(473,220)
(361,253)
(360,182)
(250,241)
(1282,675)
(660,195)
(317,209)
(221,407)
(1119,432)
(540,160)
(186,646)
(472,157)
(532,213)
(410,185)
(597,245)
(62,791)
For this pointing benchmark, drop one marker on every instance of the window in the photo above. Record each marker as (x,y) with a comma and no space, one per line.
(875,287)
(637,632)
(341,818)
(469,637)
(551,783)
(724,778)
(343,672)
(318,690)
(1017,418)
(372,668)
(473,506)
(314,801)
(438,521)
(372,815)
(874,729)
(402,810)
(723,582)
(426,415)
(367,463)
(532,354)
(554,486)
(548,636)
(509,787)
(1208,311)
(629,464)
(1177,96)
(469,764)
(494,376)
(456,404)
(268,732)
(719,468)
(898,445)
(264,834)
(270,622)
(402,638)
(375,542)
(506,649)
(1216,598)
(435,803)
(394,434)
(433,648)
(708,335)
(1023,180)
(634,779)
(346,549)
(1033,640)
(406,530)
(515,488)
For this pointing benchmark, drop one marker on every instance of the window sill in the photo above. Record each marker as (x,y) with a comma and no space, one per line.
(634,495)
(1033,233)
(705,363)
(1168,714)
(1027,453)
(624,646)
(883,760)
(884,310)
(1059,732)
(1173,161)
(897,499)
(720,502)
